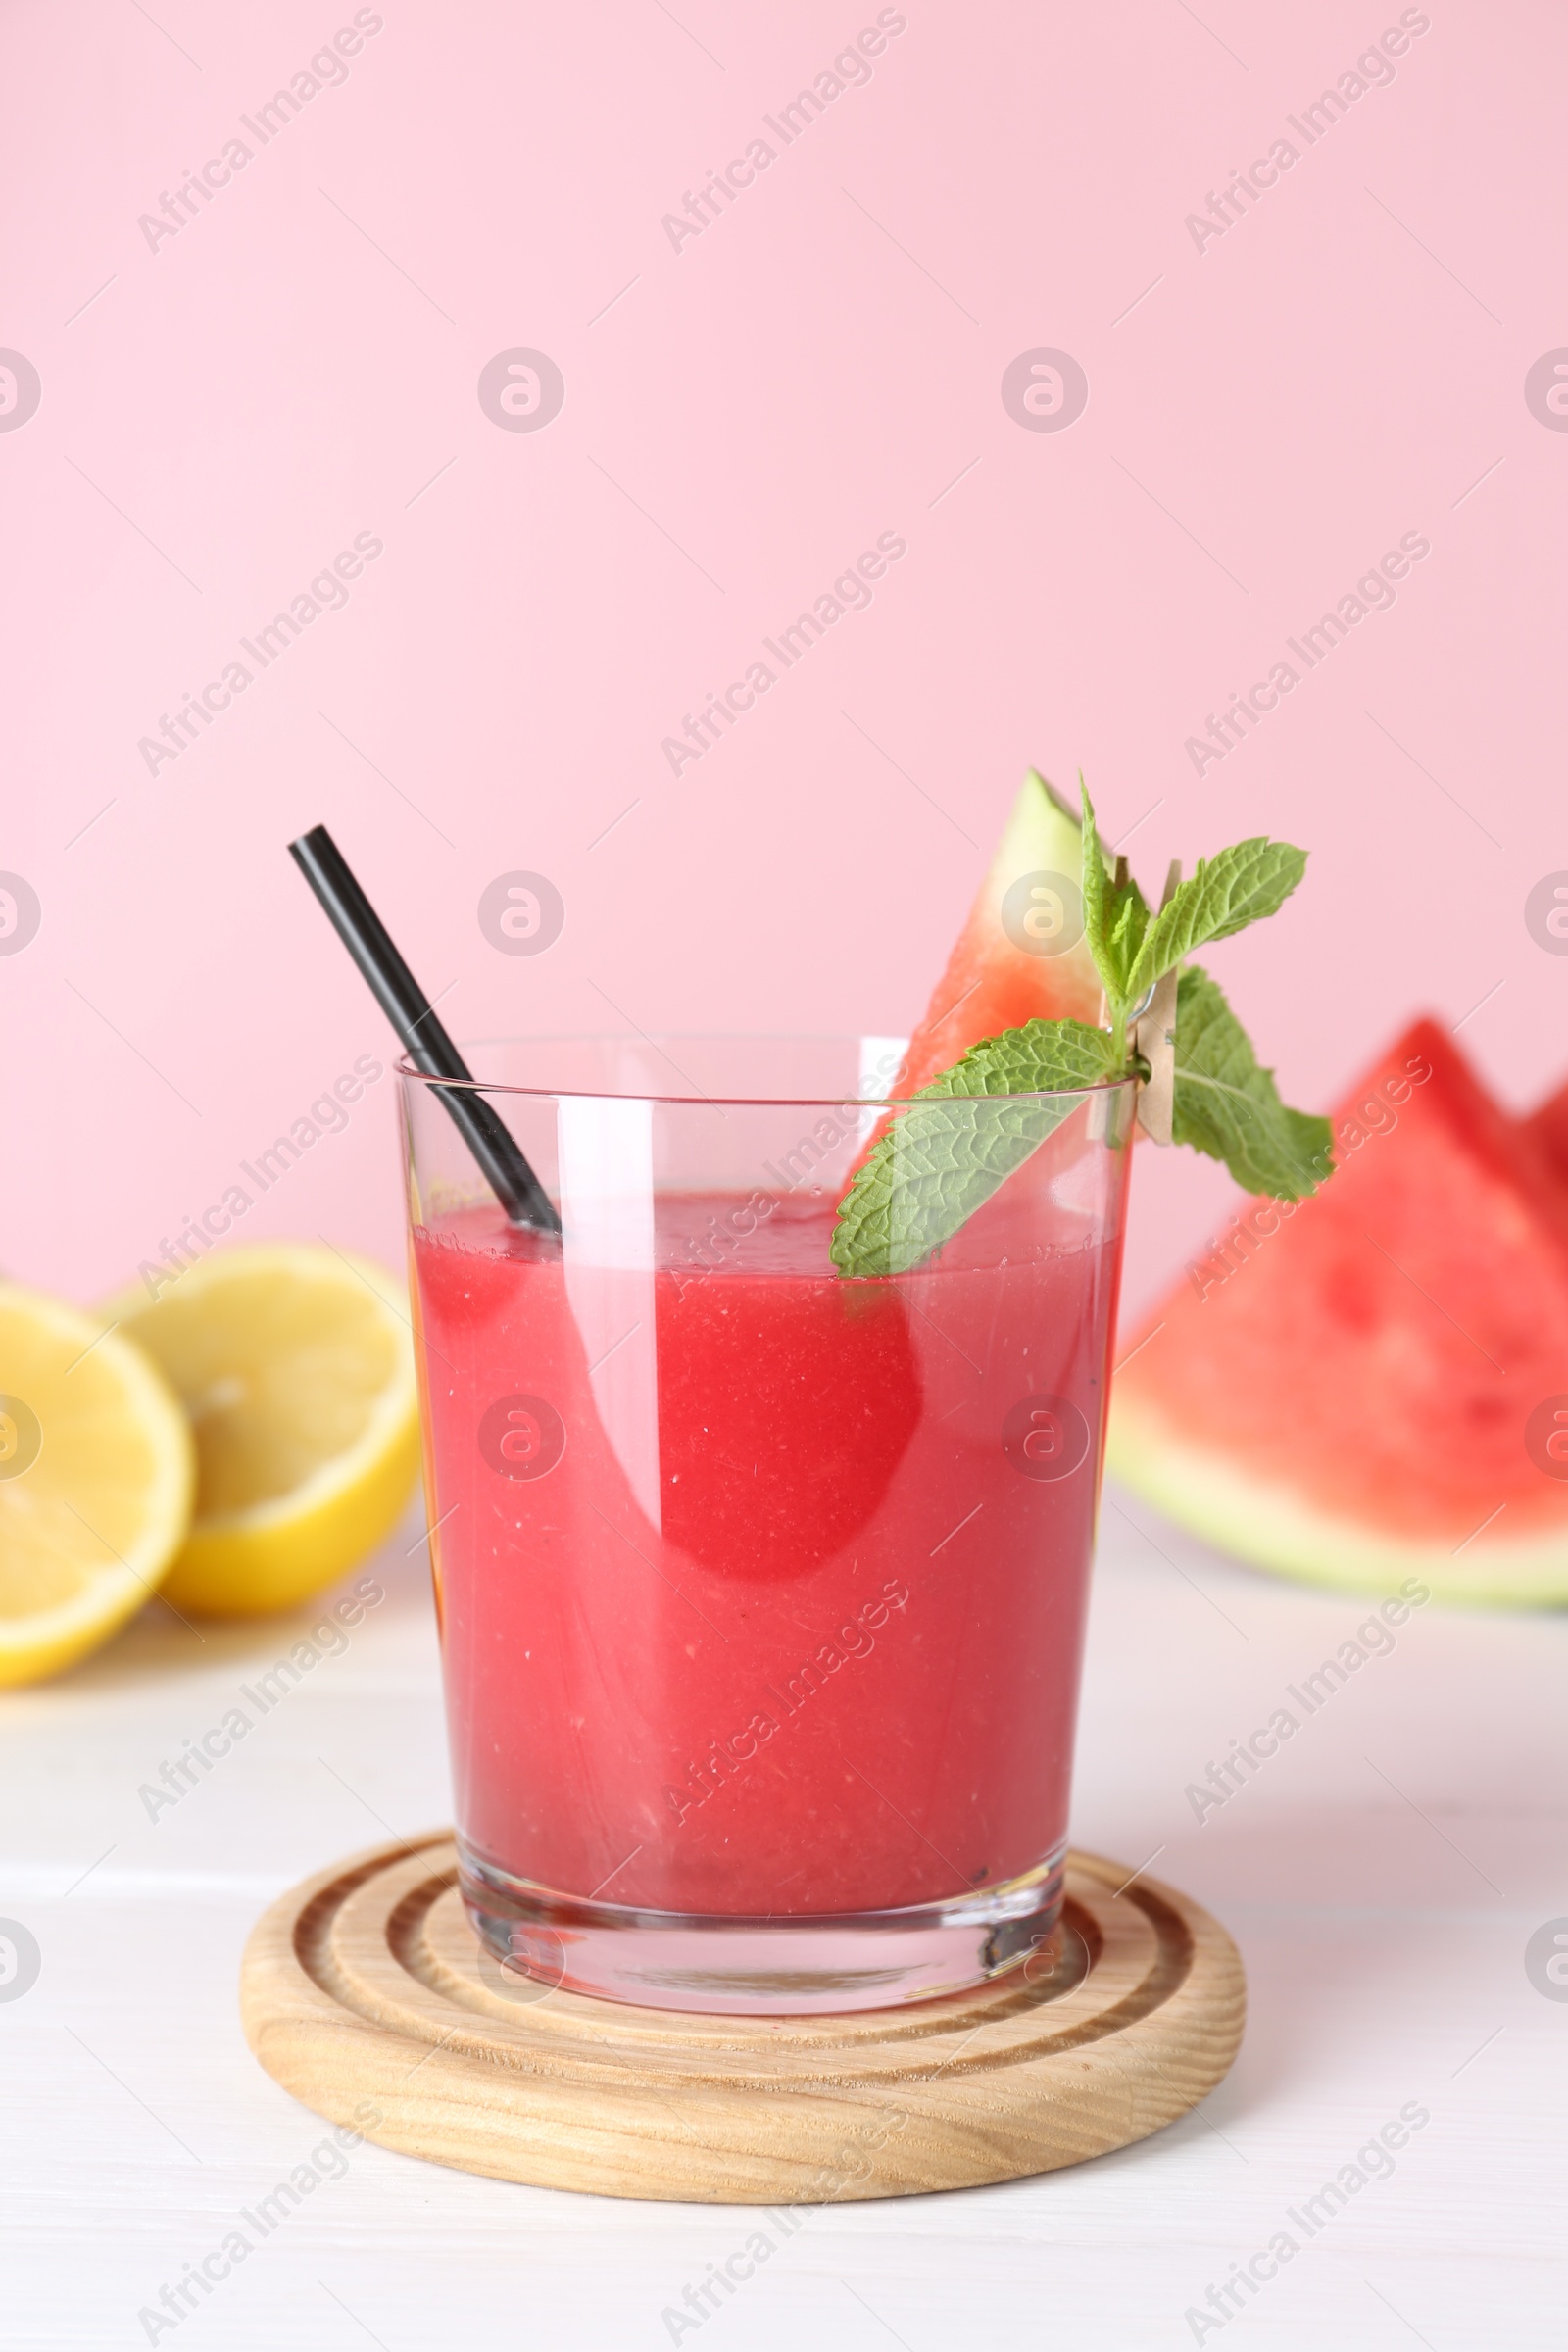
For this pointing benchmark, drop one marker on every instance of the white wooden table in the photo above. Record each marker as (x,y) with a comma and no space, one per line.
(1382,1875)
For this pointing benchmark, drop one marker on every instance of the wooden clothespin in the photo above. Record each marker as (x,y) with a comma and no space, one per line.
(1154,1036)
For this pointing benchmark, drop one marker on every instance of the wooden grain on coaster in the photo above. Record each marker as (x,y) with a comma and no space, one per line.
(365,1993)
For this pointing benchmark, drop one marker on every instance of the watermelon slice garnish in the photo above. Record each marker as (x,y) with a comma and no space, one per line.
(1021,955)
(1037,941)
(1359,1389)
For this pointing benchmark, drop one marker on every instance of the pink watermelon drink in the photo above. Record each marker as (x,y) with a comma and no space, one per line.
(826,1659)
(762,1460)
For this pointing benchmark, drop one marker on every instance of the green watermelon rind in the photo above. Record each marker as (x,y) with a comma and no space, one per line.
(1274,1527)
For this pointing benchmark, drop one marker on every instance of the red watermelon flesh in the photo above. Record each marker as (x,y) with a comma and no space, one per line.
(1010,964)
(1344,1391)
(1548,1129)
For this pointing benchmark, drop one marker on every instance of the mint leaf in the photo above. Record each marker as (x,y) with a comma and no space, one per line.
(1238,887)
(1228,1107)
(947,1152)
(1040,1057)
(1115,918)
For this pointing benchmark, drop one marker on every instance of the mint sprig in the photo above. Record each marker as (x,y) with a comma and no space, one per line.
(1132,950)
(949,1148)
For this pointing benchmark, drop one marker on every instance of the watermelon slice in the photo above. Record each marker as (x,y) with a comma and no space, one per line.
(1366,1388)
(1021,955)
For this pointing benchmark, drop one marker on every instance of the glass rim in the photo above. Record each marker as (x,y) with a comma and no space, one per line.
(403,1069)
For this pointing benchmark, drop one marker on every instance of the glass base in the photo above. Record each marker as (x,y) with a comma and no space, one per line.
(540,1941)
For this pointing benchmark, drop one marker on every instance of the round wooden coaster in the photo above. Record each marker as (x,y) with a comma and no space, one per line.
(365,1993)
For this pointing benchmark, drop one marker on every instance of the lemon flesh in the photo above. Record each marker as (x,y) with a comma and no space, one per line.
(295,1364)
(97,1476)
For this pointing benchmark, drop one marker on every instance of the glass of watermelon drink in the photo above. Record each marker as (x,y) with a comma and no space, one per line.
(762,1588)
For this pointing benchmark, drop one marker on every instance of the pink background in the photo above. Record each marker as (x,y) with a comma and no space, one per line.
(300,364)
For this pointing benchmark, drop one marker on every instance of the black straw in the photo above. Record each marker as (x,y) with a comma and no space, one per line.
(421,1036)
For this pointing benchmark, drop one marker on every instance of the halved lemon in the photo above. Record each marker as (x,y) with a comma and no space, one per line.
(295,1364)
(97,1475)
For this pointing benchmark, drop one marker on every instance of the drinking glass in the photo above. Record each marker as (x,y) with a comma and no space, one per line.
(761,1587)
